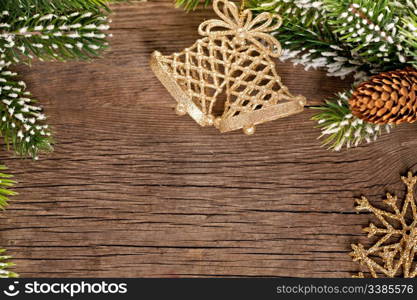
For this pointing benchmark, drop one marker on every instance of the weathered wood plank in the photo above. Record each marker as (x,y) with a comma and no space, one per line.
(134,190)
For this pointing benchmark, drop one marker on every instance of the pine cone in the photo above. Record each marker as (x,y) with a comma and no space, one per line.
(387,98)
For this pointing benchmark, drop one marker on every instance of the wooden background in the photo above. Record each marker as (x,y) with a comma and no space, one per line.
(134,190)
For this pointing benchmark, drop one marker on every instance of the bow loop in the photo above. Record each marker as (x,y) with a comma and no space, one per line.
(263,21)
(243,26)
(227,11)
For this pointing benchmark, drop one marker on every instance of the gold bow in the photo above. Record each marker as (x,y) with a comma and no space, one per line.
(243,26)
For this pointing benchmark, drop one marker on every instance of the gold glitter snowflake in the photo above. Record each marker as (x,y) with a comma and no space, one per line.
(395,252)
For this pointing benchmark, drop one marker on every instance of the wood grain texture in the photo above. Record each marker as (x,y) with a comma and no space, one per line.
(134,190)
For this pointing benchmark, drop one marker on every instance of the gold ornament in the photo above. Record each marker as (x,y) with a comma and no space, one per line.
(228,78)
(395,253)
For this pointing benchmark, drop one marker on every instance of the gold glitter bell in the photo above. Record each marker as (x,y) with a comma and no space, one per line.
(230,68)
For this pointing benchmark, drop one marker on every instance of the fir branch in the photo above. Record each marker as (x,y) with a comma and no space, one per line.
(316,48)
(338,35)
(46,30)
(408,31)
(21,121)
(63,36)
(307,11)
(342,129)
(307,38)
(54,6)
(5,265)
(369,28)
(5,183)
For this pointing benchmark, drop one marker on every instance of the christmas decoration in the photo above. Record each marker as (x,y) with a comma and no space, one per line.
(233,58)
(46,30)
(387,98)
(357,38)
(395,252)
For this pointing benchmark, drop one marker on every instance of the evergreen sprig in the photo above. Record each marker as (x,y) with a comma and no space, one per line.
(47,30)
(54,6)
(5,266)
(21,120)
(307,37)
(53,36)
(408,31)
(341,128)
(375,24)
(6,183)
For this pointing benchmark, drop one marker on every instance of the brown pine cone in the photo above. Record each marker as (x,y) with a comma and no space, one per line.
(387,98)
